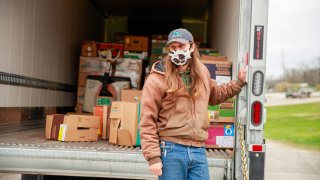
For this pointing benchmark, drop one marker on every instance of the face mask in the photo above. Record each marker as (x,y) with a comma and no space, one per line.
(180,57)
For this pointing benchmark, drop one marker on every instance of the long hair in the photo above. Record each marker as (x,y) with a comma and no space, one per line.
(174,81)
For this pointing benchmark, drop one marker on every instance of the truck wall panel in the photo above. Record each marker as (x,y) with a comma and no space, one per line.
(3,92)
(5,33)
(42,39)
(24,97)
(224,28)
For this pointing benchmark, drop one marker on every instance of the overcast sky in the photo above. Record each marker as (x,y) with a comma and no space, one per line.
(294,29)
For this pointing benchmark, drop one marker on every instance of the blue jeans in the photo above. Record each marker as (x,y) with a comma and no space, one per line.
(183,162)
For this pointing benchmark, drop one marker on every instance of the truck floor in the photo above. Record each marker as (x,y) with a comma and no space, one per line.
(28,152)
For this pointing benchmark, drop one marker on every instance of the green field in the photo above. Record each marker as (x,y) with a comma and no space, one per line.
(295,124)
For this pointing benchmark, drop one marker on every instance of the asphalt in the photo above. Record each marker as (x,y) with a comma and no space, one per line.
(287,162)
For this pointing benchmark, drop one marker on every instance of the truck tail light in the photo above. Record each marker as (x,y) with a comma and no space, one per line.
(257,83)
(256,117)
(257,148)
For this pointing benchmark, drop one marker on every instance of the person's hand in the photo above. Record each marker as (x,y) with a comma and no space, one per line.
(156,169)
(242,75)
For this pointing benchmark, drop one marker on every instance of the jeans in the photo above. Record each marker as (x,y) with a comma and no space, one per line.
(183,162)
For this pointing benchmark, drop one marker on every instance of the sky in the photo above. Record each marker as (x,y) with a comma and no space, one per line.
(293,35)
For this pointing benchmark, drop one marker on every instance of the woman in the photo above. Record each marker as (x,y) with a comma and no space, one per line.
(174,115)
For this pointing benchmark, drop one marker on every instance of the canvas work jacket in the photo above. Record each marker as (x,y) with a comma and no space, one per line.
(176,117)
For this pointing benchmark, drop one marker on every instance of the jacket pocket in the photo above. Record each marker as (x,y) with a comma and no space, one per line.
(179,116)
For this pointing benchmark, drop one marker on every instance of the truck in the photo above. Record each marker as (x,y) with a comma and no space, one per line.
(40,47)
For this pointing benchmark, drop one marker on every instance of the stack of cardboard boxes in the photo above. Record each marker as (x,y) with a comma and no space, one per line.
(158,49)
(114,120)
(89,66)
(125,118)
(72,127)
(221,117)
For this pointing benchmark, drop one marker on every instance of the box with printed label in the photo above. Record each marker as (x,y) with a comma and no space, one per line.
(136,43)
(223,112)
(220,135)
(124,120)
(219,70)
(115,48)
(136,55)
(93,65)
(79,128)
(131,95)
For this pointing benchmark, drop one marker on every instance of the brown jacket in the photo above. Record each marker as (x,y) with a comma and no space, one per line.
(176,117)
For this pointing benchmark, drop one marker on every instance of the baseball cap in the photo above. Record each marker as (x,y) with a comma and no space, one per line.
(180,35)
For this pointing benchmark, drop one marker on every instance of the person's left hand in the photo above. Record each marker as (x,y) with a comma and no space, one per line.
(242,74)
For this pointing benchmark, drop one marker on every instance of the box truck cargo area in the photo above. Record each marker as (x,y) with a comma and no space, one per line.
(40,47)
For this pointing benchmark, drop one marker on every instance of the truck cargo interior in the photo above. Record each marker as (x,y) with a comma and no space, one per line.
(40,46)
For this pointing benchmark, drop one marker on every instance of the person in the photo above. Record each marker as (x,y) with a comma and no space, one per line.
(174,110)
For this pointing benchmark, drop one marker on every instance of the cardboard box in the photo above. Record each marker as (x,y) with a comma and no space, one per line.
(221,135)
(136,55)
(92,89)
(79,128)
(53,123)
(124,120)
(223,112)
(136,43)
(208,51)
(93,65)
(79,108)
(219,70)
(89,49)
(116,48)
(103,112)
(131,95)
(213,58)
(80,95)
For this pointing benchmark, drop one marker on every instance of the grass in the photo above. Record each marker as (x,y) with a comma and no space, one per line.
(295,124)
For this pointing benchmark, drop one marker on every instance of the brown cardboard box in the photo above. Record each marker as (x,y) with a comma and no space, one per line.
(213,58)
(221,71)
(53,123)
(103,112)
(89,49)
(124,119)
(79,108)
(223,112)
(136,43)
(79,128)
(80,95)
(131,95)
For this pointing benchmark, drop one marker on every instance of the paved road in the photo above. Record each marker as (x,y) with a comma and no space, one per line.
(278,99)
(287,162)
